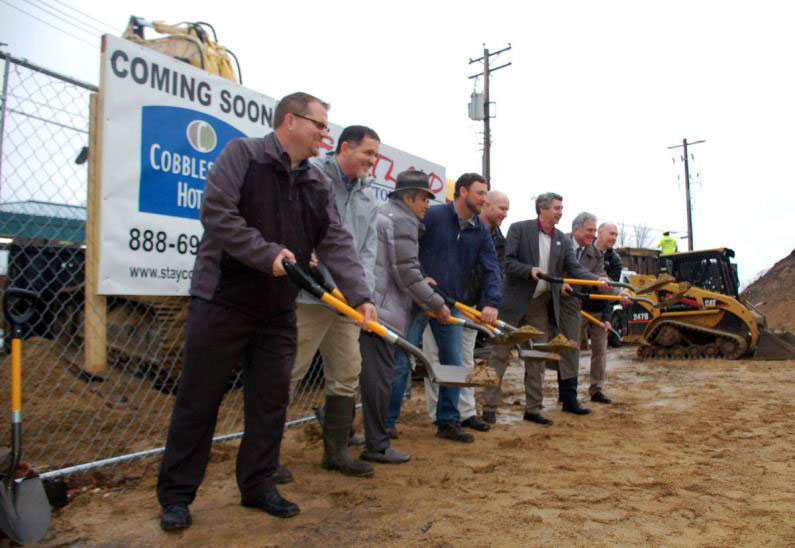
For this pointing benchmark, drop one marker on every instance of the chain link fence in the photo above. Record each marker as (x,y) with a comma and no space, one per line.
(70,417)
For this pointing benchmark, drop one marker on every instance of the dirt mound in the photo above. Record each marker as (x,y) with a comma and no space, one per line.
(774,294)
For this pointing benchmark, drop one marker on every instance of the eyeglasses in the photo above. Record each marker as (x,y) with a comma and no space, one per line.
(317,123)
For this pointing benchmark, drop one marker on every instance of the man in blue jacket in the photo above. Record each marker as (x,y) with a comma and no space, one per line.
(455,240)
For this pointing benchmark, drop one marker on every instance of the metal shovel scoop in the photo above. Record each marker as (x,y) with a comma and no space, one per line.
(445,375)
(24,508)
(503,334)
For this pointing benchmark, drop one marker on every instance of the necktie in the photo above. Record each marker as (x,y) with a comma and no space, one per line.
(579,252)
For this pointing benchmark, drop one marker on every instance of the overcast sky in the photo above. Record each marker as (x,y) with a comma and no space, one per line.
(595,95)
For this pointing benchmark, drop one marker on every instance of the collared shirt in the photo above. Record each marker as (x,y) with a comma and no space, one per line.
(463,223)
(349,184)
(544,249)
(303,165)
(550,232)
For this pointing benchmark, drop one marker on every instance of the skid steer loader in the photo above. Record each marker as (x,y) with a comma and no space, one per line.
(701,315)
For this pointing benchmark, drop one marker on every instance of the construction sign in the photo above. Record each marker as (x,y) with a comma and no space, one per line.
(162,123)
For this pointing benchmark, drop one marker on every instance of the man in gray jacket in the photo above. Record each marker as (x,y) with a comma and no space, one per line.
(320,327)
(399,283)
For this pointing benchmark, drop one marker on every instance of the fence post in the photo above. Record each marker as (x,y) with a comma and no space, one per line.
(96,311)
(3,117)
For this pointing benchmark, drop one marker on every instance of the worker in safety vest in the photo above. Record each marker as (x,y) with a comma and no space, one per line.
(667,244)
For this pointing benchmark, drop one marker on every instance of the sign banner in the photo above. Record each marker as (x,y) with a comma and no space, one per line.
(163,124)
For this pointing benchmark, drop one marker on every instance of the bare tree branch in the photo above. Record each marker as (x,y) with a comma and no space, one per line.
(622,235)
(642,235)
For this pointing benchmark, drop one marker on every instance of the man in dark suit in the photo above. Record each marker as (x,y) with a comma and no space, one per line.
(534,247)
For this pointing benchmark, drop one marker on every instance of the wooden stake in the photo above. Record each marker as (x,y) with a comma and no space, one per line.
(96,311)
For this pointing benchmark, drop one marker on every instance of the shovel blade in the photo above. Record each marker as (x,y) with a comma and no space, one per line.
(24,510)
(452,375)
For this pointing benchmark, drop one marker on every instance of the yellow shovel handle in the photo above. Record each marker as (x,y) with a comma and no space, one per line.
(475,318)
(577,281)
(16,375)
(473,313)
(375,327)
(602,297)
(591,319)
(338,294)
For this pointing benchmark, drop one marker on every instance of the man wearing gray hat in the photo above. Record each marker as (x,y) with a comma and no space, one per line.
(399,283)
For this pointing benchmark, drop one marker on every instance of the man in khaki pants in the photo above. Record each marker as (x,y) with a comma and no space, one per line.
(320,327)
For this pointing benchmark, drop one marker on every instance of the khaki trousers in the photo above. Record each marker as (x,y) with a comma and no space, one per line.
(598,357)
(337,339)
(537,315)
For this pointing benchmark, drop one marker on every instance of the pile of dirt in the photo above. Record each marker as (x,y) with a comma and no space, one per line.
(774,294)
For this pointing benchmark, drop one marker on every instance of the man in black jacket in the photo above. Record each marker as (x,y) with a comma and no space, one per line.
(606,239)
(605,242)
(263,203)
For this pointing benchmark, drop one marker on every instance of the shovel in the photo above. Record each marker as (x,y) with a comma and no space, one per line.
(321,280)
(445,375)
(24,508)
(596,321)
(578,281)
(504,333)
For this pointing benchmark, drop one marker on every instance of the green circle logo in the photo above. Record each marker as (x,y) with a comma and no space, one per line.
(201,136)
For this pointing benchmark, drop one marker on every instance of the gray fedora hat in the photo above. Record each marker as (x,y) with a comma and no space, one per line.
(412,179)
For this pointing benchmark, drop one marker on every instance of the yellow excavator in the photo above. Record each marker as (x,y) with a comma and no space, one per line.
(188,42)
(697,313)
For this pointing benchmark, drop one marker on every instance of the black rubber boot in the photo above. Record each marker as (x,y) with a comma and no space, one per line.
(336,429)
(354,439)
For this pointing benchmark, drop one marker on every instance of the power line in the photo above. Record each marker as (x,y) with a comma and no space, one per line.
(113,28)
(93,46)
(84,27)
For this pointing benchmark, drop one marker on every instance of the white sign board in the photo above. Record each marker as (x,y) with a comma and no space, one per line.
(163,124)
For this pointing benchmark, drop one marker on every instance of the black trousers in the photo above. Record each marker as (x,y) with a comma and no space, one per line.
(378,362)
(218,337)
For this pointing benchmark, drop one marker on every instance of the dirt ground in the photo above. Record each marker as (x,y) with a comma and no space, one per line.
(690,454)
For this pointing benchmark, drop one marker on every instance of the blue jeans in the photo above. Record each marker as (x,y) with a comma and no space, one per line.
(449,339)
(402,369)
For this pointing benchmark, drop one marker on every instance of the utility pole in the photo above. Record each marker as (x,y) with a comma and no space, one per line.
(487,70)
(687,191)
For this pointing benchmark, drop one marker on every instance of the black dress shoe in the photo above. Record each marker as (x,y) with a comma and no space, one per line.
(273,504)
(282,475)
(476,423)
(453,431)
(537,418)
(599,397)
(575,408)
(175,517)
(490,416)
